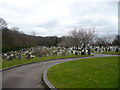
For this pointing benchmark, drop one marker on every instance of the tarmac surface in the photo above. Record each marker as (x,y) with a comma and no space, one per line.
(30,75)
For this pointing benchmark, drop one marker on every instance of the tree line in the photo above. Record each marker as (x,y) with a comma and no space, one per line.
(14,40)
(83,37)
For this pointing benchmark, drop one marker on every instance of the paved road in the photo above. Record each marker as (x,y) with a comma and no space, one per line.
(30,76)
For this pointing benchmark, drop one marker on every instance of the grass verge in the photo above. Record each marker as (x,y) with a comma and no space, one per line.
(8,63)
(85,73)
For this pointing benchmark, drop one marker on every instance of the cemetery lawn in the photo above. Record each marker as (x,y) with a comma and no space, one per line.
(0,64)
(111,53)
(85,73)
(8,63)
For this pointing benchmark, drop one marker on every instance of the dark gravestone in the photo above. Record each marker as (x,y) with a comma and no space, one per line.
(96,49)
(106,49)
(82,53)
(71,51)
(28,56)
(76,53)
(81,48)
(10,58)
(19,57)
(88,52)
(99,51)
(116,49)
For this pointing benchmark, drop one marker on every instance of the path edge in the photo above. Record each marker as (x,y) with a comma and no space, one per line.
(46,81)
(32,63)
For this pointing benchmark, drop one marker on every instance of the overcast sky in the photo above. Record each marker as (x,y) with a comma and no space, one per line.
(58,17)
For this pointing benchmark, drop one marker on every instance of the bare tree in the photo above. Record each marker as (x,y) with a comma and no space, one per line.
(3,24)
(75,39)
(109,39)
(100,42)
(67,42)
(83,36)
(104,41)
(116,40)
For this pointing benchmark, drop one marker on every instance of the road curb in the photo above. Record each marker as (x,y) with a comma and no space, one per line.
(16,66)
(46,81)
(26,64)
(20,65)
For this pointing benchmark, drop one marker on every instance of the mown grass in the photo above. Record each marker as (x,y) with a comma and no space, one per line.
(8,63)
(0,65)
(85,73)
(111,53)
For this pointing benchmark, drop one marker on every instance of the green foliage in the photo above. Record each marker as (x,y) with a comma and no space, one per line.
(85,73)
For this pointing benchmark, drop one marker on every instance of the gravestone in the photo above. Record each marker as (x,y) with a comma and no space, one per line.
(116,49)
(82,53)
(108,49)
(10,58)
(63,53)
(88,52)
(28,56)
(4,56)
(99,50)
(19,57)
(32,56)
(76,53)
(71,51)
(96,49)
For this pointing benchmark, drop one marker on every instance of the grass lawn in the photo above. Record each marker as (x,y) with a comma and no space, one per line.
(85,73)
(0,64)
(111,53)
(8,63)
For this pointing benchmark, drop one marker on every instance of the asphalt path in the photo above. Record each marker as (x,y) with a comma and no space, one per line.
(30,75)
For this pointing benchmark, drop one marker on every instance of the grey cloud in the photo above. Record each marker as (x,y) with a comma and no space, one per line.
(48,24)
(36,16)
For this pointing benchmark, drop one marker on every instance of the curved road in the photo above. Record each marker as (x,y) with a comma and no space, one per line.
(30,76)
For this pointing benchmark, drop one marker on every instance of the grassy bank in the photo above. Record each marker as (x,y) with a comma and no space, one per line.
(85,73)
(8,63)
